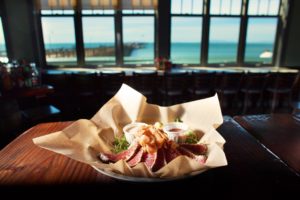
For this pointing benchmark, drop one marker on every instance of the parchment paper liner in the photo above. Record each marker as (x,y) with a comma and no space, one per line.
(84,139)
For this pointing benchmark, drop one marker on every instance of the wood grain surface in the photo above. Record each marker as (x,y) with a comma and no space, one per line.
(22,162)
(280,133)
(251,167)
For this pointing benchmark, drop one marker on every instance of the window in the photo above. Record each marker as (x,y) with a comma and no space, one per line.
(99,40)
(138,31)
(89,31)
(3,54)
(138,39)
(59,40)
(202,32)
(224,31)
(261,32)
(186,31)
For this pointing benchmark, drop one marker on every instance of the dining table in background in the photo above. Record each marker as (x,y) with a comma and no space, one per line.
(280,133)
(35,91)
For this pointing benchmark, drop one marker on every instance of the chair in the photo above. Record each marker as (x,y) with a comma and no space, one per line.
(252,89)
(86,93)
(63,96)
(279,86)
(111,82)
(39,114)
(173,88)
(202,84)
(227,85)
(146,83)
(15,120)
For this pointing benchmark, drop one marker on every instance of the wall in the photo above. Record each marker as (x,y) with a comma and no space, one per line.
(291,51)
(19,15)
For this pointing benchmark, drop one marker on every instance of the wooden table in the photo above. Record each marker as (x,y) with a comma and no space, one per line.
(278,132)
(37,91)
(250,168)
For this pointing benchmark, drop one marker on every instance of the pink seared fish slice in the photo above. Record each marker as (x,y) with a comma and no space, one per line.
(171,153)
(136,158)
(199,158)
(185,152)
(198,149)
(124,155)
(160,160)
(149,159)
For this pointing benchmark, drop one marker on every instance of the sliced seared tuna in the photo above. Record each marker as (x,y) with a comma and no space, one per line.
(136,158)
(171,153)
(199,158)
(124,155)
(160,160)
(198,149)
(149,159)
(185,152)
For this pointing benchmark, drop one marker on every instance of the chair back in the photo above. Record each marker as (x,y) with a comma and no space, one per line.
(145,80)
(175,81)
(86,82)
(111,81)
(203,80)
(228,81)
(61,82)
(254,82)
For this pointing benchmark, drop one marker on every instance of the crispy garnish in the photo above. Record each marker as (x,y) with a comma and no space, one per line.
(151,138)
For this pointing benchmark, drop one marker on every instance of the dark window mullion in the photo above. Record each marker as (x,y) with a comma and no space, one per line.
(156,48)
(119,38)
(205,33)
(163,29)
(243,34)
(280,36)
(79,38)
(286,19)
(276,42)
(41,55)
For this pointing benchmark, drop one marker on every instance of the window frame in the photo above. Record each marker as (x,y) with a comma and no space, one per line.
(209,16)
(160,50)
(231,64)
(78,60)
(154,15)
(83,50)
(200,44)
(202,15)
(276,39)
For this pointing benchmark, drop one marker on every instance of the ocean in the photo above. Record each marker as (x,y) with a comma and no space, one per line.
(181,53)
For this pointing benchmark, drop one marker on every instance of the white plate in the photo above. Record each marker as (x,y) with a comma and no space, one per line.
(143,179)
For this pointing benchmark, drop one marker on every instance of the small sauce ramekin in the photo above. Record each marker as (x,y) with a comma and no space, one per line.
(175,129)
(131,129)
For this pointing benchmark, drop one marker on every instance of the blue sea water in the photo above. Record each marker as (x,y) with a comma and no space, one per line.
(218,52)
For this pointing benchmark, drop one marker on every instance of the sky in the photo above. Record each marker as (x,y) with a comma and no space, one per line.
(100,29)
(184,29)
(141,29)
